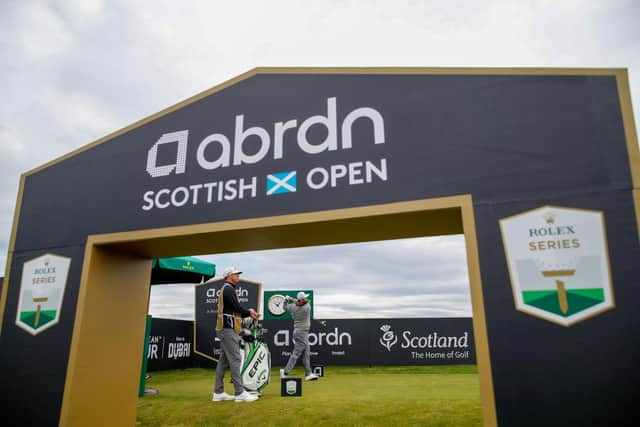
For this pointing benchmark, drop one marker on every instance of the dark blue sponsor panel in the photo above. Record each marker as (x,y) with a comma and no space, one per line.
(375,342)
(378,342)
(427,341)
(170,345)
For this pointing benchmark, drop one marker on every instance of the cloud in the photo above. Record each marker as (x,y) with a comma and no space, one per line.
(75,70)
(424,277)
(172,301)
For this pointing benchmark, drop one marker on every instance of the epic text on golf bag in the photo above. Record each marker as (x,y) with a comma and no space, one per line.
(256,358)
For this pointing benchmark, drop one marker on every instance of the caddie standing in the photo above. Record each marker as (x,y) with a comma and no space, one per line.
(230,314)
(300,310)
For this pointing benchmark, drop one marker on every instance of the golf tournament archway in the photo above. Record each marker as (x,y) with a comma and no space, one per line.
(539,168)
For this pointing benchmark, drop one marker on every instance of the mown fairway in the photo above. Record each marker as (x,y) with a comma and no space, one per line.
(345,396)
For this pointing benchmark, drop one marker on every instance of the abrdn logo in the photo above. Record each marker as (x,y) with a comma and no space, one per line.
(228,154)
(389,338)
(333,338)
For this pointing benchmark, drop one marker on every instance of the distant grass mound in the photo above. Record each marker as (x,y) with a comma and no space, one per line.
(443,396)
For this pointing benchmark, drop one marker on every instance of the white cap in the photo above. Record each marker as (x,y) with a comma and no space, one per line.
(229,271)
(302,295)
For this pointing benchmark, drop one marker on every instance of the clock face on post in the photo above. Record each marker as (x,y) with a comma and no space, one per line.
(275,305)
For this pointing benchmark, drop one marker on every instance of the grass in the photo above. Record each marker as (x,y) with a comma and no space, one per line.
(442,396)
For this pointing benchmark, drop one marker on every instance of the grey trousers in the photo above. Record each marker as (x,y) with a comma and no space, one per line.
(300,347)
(229,357)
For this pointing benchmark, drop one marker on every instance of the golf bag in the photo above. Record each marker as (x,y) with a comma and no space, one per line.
(256,359)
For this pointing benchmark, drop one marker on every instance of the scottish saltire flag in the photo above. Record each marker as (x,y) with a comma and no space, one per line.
(282,182)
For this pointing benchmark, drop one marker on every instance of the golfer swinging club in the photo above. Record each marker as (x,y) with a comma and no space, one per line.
(301,313)
(230,314)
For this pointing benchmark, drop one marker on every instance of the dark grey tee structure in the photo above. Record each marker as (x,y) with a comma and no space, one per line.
(514,142)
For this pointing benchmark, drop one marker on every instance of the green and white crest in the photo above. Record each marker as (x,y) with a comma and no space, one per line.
(41,292)
(558,263)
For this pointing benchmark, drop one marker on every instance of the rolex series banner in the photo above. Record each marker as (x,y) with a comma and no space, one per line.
(558,263)
(206,311)
(41,292)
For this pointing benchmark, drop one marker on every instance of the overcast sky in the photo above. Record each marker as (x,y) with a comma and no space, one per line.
(74,71)
(424,277)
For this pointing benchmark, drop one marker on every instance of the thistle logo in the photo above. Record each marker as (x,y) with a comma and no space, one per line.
(41,292)
(558,263)
(389,338)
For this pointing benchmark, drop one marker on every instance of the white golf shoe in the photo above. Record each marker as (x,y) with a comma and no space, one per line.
(246,397)
(219,397)
(311,377)
(282,374)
